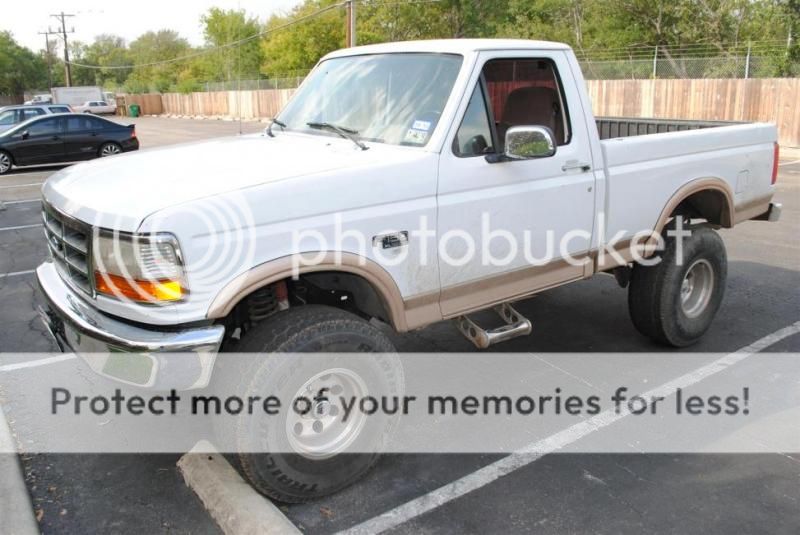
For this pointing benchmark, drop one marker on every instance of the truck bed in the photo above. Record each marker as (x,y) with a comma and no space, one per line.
(649,160)
(614,127)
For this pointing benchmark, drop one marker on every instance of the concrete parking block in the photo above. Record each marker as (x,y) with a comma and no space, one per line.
(237,508)
(16,509)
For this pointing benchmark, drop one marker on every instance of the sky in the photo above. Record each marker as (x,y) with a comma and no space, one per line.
(127,19)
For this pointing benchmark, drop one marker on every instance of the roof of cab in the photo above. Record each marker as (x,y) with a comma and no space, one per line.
(449,46)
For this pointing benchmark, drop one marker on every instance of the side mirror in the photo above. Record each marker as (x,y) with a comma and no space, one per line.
(25,135)
(528,142)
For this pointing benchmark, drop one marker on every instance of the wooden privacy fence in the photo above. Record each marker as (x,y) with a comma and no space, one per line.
(7,100)
(250,104)
(774,100)
(149,104)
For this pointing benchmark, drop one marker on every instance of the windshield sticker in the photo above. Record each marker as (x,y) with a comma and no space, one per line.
(422,125)
(416,136)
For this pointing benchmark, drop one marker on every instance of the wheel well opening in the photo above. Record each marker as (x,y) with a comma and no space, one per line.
(347,291)
(709,204)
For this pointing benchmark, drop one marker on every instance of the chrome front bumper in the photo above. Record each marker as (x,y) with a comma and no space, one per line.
(132,354)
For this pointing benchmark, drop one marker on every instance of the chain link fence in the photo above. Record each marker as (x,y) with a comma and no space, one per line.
(288,81)
(754,60)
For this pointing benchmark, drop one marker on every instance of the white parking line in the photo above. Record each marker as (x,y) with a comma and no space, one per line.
(37,363)
(21,185)
(21,227)
(788,163)
(560,440)
(17,273)
(22,201)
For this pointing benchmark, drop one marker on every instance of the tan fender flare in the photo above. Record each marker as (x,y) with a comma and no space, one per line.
(693,187)
(399,311)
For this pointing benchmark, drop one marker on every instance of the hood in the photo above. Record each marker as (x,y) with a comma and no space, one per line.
(121,191)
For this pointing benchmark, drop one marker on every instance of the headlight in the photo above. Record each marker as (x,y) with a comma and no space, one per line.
(145,269)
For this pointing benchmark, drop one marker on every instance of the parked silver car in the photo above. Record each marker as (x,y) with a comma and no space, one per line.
(11,115)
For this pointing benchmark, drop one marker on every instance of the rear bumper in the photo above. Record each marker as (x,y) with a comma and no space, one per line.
(132,354)
(131,144)
(772,214)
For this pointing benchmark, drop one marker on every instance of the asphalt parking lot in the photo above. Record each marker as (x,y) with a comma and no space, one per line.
(559,493)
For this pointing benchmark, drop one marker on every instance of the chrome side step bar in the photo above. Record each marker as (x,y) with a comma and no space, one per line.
(516,325)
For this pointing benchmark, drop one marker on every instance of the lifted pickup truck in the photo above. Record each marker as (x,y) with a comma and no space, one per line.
(403,184)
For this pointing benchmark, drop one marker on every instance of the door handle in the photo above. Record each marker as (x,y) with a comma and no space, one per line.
(575,164)
(56,138)
(391,241)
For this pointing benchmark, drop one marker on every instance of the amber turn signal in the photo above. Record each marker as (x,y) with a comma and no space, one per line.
(138,290)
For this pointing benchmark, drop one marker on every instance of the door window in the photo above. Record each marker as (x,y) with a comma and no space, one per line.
(474,136)
(526,92)
(8,117)
(46,127)
(78,124)
(30,113)
(96,124)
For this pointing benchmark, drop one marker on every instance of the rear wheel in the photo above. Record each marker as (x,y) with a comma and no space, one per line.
(675,301)
(5,162)
(301,457)
(109,149)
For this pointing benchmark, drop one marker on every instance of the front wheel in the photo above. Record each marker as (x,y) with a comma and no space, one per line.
(5,162)
(301,457)
(675,301)
(109,149)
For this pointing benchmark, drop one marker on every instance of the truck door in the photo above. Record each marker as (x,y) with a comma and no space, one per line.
(509,228)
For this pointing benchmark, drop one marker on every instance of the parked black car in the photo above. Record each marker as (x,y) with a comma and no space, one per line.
(65,137)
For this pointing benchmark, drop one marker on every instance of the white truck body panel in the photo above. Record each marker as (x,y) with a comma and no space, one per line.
(76,96)
(297,182)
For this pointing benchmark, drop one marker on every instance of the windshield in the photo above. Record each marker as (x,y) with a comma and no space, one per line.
(387,98)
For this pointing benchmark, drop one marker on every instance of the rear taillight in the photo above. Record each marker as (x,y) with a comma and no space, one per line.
(133,135)
(775,158)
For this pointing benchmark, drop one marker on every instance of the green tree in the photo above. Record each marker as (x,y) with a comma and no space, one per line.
(300,46)
(161,48)
(109,51)
(229,63)
(20,68)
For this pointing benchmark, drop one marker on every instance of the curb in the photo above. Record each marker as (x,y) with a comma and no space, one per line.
(237,508)
(16,509)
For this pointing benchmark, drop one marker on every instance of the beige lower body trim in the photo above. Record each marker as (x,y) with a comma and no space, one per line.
(751,209)
(483,293)
(422,310)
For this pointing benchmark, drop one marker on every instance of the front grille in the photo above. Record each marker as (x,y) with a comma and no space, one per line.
(70,245)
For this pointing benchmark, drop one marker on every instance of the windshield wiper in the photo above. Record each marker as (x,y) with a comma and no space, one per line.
(347,133)
(269,128)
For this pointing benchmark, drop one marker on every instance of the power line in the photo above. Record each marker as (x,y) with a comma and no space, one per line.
(216,48)
(256,35)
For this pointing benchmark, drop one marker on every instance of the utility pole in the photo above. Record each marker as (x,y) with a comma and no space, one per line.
(47,35)
(63,18)
(350,28)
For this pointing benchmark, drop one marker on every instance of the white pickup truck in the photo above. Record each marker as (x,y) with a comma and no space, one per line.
(403,184)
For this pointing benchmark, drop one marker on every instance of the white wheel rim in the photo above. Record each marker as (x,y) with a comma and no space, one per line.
(322,432)
(110,150)
(5,163)
(697,288)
